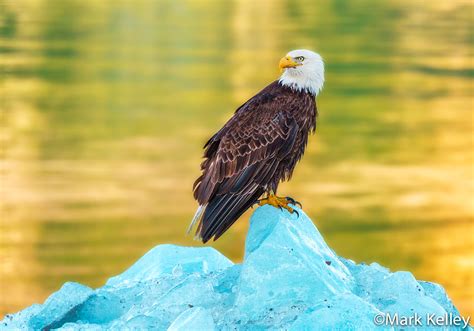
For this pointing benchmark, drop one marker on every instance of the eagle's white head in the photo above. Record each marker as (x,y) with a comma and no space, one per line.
(303,70)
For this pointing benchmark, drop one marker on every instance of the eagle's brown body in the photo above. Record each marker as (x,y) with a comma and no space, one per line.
(254,151)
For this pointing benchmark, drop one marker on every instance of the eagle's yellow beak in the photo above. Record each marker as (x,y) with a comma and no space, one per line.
(288,62)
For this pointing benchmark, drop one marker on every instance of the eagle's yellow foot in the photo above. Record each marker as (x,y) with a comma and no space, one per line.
(280,202)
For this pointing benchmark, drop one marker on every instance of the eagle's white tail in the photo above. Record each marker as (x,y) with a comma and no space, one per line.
(196,218)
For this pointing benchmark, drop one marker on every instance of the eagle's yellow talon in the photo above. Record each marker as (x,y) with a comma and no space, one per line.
(278,202)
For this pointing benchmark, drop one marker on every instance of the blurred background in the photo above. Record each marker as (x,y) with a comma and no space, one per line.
(105,106)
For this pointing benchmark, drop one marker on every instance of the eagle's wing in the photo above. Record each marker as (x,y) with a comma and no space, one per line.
(241,161)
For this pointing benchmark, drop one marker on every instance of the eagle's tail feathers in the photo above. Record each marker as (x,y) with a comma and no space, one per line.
(196,218)
(223,211)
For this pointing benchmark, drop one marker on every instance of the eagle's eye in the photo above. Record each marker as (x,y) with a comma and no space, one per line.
(299,58)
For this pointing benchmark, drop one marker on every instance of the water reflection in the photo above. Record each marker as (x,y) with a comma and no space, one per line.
(105,107)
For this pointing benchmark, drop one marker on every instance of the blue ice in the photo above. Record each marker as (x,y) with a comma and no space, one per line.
(290,279)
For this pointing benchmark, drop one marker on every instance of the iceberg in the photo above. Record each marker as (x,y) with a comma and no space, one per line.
(290,279)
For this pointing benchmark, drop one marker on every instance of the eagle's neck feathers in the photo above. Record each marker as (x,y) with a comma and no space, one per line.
(303,81)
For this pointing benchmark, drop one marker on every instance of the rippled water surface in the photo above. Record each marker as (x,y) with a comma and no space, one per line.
(105,106)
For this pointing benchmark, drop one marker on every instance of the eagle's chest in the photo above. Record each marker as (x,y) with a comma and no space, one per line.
(304,113)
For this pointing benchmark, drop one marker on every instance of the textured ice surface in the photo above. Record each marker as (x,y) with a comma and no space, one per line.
(289,280)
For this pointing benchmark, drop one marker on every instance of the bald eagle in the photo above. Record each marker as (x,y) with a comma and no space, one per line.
(258,147)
